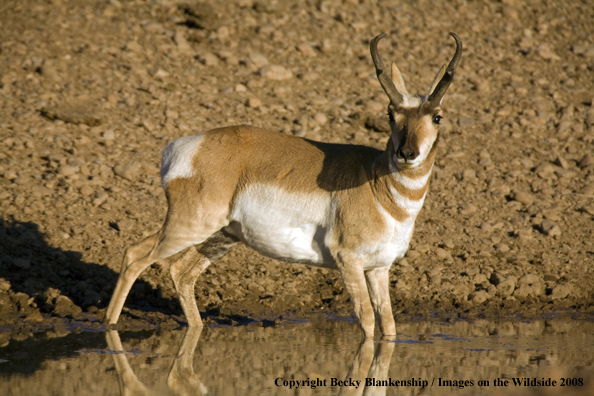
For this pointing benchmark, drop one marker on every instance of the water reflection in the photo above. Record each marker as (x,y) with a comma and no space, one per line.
(428,358)
(371,361)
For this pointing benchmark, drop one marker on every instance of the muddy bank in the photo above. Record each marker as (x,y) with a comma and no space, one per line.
(92,91)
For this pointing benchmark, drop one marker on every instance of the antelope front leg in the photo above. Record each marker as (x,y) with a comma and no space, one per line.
(353,279)
(379,294)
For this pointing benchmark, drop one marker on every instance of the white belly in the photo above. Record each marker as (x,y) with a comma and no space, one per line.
(295,227)
(285,226)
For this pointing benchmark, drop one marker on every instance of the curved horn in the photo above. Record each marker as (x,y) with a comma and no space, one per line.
(437,95)
(385,81)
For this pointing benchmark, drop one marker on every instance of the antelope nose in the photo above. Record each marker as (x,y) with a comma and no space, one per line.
(407,154)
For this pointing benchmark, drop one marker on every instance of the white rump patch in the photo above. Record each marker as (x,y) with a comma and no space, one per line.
(178,157)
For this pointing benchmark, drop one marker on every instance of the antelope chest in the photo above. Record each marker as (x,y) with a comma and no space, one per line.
(394,244)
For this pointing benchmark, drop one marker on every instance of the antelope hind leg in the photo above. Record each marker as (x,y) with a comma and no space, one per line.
(136,259)
(187,268)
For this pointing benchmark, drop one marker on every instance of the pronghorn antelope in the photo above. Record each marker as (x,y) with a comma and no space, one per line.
(346,207)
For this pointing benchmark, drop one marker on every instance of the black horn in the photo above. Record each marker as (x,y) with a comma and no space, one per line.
(441,88)
(385,81)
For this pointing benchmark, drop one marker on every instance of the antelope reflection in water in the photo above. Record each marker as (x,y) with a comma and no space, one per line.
(372,360)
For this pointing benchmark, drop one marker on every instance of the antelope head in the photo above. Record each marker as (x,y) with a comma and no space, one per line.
(414,119)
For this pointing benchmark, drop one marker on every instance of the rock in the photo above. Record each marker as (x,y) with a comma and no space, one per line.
(126,225)
(550,278)
(257,59)
(588,190)
(34,316)
(448,243)
(551,215)
(486,227)
(496,278)
(529,279)
(469,175)
(208,59)
(182,44)
(306,49)
(129,171)
(507,287)
(4,285)
(66,170)
(413,254)
(378,124)
(65,307)
(478,297)
(479,279)
(254,103)
(550,228)
(403,287)
(99,197)
(561,291)
(309,76)
(484,154)
(546,53)
(50,70)
(108,134)
(161,74)
(320,118)
(134,47)
(10,174)
(524,233)
(442,253)
(79,113)
(545,170)
(91,298)
(275,72)
(22,263)
(502,247)
(527,291)
(201,15)
(467,208)
(86,190)
(586,161)
(523,197)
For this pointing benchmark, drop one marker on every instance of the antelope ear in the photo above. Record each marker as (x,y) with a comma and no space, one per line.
(437,79)
(398,81)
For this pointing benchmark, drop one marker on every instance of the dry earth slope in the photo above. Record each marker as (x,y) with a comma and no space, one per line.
(91,91)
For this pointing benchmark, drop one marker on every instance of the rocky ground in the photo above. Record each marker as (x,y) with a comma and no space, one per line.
(91,91)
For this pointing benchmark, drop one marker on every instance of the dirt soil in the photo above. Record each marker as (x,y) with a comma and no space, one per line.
(91,92)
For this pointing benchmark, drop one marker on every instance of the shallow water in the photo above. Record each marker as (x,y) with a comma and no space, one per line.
(249,360)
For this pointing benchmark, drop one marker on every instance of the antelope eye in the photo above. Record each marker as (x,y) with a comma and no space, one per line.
(437,119)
